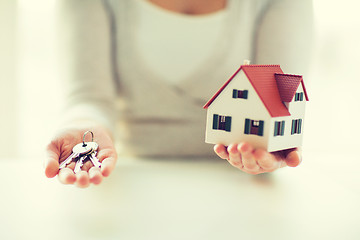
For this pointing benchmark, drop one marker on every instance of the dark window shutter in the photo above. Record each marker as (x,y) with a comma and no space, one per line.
(282,128)
(293,127)
(228,124)
(261,128)
(247,126)
(301,96)
(215,121)
(235,93)
(245,94)
(276,128)
(299,125)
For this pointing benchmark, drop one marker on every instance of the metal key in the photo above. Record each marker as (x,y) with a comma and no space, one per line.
(77,151)
(79,164)
(95,161)
(68,160)
(82,153)
(92,155)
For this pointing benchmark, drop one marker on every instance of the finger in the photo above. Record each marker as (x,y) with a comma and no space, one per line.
(82,179)
(108,158)
(107,166)
(293,159)
(266,160)
(221,151)
(67,176)
(248,159)
(95,175)
(51,163)
(234,156)
(87,166)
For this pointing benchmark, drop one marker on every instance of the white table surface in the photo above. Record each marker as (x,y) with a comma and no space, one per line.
(198,199)
(185,199)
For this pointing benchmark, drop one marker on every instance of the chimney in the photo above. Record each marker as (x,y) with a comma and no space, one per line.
(246,62)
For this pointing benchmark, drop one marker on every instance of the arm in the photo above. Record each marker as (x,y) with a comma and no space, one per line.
(85,65)
(283,36)
(85,61)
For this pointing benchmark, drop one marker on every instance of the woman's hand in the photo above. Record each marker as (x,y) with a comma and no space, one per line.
(61,147)
(254,161)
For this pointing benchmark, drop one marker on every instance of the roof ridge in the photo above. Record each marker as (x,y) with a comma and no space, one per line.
(289,74)
(261,65)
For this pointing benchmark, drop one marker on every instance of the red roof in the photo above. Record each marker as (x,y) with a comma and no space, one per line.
(271,85)
(288,84)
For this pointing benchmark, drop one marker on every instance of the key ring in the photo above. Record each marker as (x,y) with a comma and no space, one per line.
(92,137)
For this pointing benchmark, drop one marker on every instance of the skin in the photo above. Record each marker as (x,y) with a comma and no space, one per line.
(191,7)
(242,156)
(255,161)
(61,147)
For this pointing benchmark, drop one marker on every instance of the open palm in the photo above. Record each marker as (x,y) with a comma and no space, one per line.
(255,161)
(61,147)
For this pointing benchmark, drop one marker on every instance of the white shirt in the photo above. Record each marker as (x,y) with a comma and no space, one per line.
(162,81)
(174,45)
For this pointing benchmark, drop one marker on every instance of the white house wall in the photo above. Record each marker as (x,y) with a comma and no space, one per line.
(297,108)
(297,111)
(239,110)
(286,141)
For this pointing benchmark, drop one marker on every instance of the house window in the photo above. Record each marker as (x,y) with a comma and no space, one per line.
(296,126)
(254,127)
(299,96)
(279,128)
(240,94)
(222,122)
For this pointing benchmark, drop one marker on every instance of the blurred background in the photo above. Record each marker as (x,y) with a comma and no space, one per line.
(179,199)
(31,93)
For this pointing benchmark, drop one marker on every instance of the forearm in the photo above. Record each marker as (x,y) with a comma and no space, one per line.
(85,63)
(284,35)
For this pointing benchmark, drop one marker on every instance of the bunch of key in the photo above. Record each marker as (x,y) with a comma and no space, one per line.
(81,153)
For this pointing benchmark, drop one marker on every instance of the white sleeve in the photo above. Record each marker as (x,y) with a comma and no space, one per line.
(285,35)
(84,36)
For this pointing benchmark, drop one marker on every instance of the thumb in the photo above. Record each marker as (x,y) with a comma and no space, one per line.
(51,163)
(293,159)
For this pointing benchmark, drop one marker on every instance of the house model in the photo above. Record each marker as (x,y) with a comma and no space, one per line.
(260,105)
